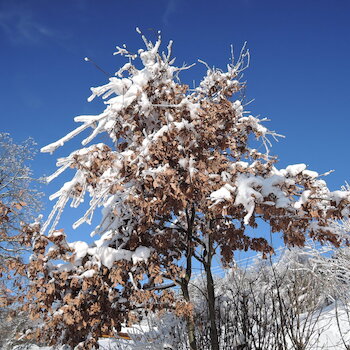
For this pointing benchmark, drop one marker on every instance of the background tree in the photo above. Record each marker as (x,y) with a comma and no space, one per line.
(179,180)
(19,201)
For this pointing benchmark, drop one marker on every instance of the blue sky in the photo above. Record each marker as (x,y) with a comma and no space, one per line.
(299,73)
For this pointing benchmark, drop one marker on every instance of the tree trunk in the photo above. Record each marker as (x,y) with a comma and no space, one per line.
(189,320)
(214,338)
(185,281)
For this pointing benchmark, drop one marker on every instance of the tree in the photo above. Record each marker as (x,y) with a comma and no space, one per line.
(179,180)
(19,201)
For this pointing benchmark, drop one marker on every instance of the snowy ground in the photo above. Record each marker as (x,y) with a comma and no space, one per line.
(332,329)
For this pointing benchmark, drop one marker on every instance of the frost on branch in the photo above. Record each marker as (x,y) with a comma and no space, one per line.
(180,180)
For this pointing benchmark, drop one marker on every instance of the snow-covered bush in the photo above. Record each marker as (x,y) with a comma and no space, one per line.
(296,302)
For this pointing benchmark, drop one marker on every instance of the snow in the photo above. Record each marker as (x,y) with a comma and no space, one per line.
(88,274)
(183,162)
(141,254)
(80,249)
(53,146)
(153,171)
(105,255)
(222,194)
(247,189)
(252,189)
(65,267)
(240,164)
(338,196)
(303,199)
(310,173)
(328,334)
(57,233)
(192,170)
(237,106)
(108,256)
(296,169)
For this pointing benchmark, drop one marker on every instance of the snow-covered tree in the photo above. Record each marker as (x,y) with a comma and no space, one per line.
(179,180)
(19,201)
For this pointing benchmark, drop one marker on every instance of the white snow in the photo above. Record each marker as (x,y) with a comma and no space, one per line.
(310,173)
(88,274)
(252,189)
(183,162)
(80,249)
(338,196)
(222,194)
(303,199)
(141,254)
(107,255)
(295,169)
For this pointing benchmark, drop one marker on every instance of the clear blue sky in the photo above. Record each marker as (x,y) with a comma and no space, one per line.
(299,74)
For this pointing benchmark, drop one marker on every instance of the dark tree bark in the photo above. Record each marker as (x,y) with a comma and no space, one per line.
(189,320)
(185,281)
(211,296)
